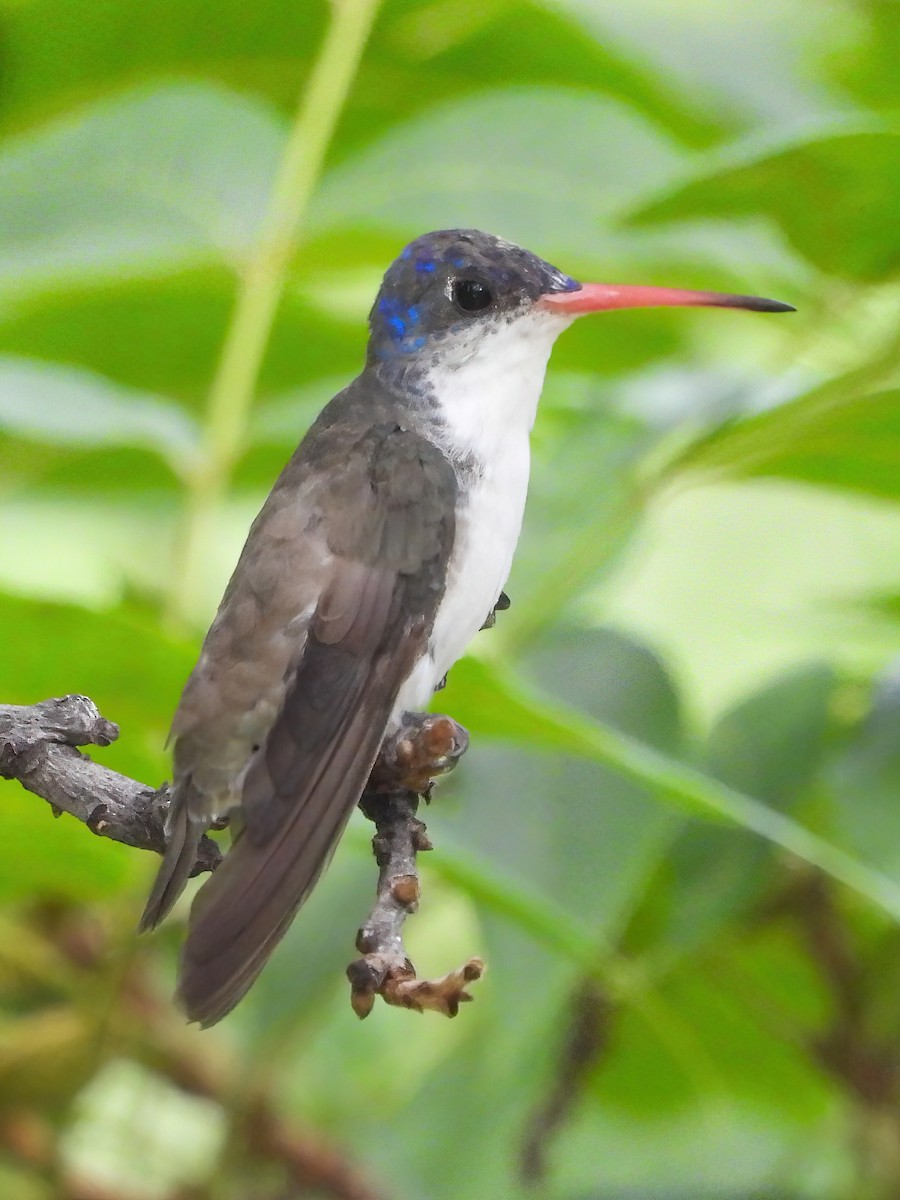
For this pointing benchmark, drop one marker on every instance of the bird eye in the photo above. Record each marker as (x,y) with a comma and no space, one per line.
(470,295)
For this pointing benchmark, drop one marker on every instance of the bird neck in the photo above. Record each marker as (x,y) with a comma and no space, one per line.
(480,393)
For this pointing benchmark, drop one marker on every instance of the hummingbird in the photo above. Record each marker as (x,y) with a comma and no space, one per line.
(385,543)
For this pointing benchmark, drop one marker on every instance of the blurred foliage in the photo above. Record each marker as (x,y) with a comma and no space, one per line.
(675,837)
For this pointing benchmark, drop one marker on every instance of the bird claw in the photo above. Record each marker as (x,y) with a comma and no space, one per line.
(425,746)
(502,605)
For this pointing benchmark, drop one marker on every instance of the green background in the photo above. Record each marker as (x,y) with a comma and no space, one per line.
(676,837)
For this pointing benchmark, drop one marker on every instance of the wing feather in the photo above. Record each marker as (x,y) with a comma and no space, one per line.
(371,624)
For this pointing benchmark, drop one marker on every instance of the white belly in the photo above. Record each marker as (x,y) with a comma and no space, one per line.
(487,531)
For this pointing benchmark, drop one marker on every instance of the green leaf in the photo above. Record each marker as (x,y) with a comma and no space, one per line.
(573,829)
(770,746)
(454,47)
(865,67)
(880,607)
(161,179)
(716,1001)
(418,52)
(496,704)
(613,679)
(832,437)
(834,192)
(22,1183)
(772,743)
(164,335)
(156,335)
(67,407)
(864,779)
(544,161)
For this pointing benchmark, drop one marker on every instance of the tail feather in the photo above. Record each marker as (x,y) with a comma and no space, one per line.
(301,788)
(183,834)
(245,908)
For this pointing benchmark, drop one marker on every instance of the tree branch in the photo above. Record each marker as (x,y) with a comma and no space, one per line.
(39,747)
(585,1041)
(423,748)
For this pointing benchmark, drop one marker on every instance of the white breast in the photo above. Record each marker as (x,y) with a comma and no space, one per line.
(488,400)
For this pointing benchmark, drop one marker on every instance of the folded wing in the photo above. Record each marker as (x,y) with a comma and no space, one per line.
(390,539)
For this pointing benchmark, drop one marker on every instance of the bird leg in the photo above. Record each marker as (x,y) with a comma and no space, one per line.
(425,746)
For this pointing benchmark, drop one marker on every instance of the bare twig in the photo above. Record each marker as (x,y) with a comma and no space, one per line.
(425,747)
(586,1040)
(861,1057)
(38,746)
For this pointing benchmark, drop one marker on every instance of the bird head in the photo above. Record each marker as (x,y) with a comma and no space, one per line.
(449,291)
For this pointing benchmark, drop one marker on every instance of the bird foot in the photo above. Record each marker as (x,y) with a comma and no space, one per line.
(425,746)
(502,605)
(384,968)
(397,984)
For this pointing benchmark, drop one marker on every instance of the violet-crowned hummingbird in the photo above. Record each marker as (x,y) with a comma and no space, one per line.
(383,546)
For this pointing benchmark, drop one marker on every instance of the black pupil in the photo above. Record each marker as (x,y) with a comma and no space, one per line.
(471,295)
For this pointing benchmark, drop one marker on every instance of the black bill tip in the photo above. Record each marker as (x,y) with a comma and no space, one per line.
(753,303)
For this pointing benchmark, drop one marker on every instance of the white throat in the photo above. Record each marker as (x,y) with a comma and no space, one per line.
(488,390)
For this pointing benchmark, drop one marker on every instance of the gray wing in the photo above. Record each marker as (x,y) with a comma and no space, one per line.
(390,537)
